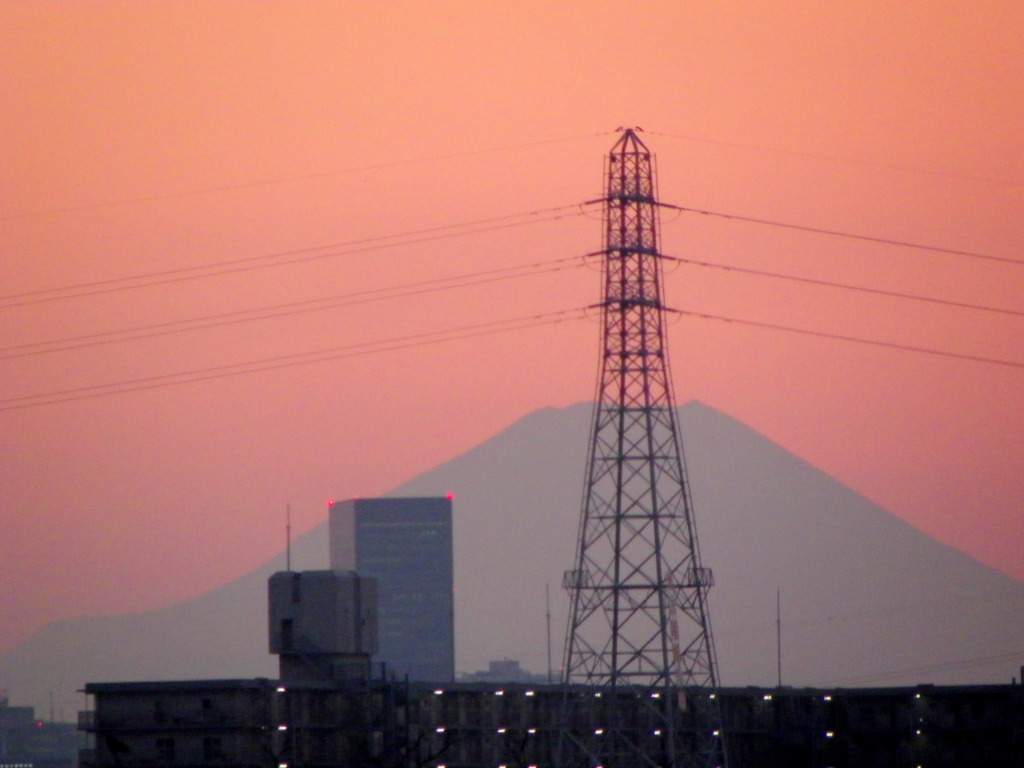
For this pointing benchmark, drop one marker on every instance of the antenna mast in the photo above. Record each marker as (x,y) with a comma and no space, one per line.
(547,615)
(638,617)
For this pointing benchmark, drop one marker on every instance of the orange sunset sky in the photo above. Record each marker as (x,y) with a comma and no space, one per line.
(229,156)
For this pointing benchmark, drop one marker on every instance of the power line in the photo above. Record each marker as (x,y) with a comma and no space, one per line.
(857,339)
(940,667)
(281,258)
(432,337)
(284,179)
(840,233)
(837,159)
(847,286)
(401,291)
(286,309)
(289,361)
(415,288)
(406,238)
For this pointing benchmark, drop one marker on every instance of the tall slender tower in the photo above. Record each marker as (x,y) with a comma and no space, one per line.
(638,618)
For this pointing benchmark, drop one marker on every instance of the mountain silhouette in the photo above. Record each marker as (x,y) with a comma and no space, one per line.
(865,598)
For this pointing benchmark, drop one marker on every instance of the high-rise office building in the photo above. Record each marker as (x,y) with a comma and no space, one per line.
(406,545)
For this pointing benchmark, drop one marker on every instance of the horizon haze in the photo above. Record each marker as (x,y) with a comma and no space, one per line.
(866,599)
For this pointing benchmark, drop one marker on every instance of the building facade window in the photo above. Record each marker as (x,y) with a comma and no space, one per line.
(287,635)
(213,749)
(165,749)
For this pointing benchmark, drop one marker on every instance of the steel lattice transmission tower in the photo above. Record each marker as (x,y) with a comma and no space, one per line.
(638,616)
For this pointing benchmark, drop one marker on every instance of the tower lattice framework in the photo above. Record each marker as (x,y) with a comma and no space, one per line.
(638,617)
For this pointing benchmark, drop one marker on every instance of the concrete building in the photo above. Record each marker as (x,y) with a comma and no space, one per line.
(194,722)
(405,544)
(322,625)
(402,725)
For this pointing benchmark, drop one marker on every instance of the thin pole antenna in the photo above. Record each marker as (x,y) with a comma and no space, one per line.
(288,537)
(778,633)
(547,604)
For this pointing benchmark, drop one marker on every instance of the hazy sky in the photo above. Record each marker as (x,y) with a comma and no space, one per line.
(150,138)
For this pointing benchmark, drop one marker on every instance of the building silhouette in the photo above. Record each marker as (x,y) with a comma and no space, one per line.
(27,741)
(333,707)
(264,723)
(405,544)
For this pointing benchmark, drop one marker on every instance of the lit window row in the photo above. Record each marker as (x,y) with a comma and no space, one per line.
(442,729)
(597,731)
(440,692)
(597,695)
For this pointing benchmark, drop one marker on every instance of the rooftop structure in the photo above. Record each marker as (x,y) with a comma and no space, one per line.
(323,624)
